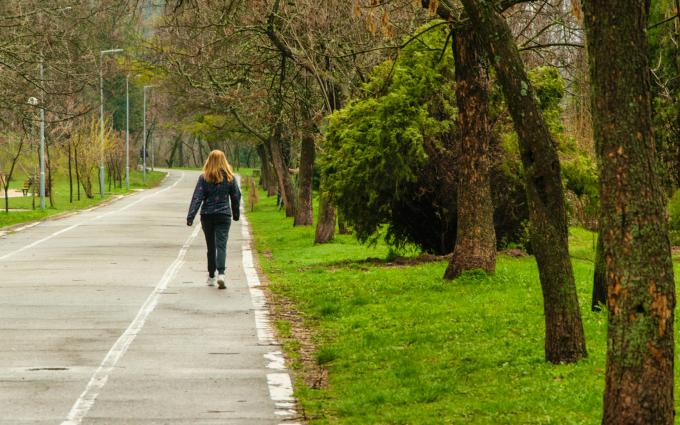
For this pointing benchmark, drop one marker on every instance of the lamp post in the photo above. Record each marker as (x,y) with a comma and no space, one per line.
(34,102)
(42,138)
(127,132)
(144,147)
(41,150)
(101,116)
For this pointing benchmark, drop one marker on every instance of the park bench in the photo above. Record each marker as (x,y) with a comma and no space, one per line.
(28,183)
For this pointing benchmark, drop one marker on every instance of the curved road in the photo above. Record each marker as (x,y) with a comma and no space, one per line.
(105,318)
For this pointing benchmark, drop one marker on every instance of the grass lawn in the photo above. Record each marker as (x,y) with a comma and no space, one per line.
(61,198)
(403,346)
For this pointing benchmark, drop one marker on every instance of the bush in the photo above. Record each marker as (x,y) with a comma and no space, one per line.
(390,154)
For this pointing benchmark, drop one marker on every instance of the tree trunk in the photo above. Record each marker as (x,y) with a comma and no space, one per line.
(272,182)
(75,163)
(171,160)
(269,180)
(599,284)
(325,227)
(48,186)
(8,177)
(475,236)
(304,215)
(237,155)
(180,150)
(564,339)
(282,173)
(639,269)
(70,174)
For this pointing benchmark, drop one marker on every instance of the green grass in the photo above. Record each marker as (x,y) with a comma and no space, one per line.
(61,198)
(403,346)
(245,171)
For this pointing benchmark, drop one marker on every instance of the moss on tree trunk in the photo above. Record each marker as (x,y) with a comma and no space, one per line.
(639,269)
(282,173)
(325,227)
(475,236)
(304,216)
(599,282)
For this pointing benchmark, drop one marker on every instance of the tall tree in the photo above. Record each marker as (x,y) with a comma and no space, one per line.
(304,215)
(475,235)
(564,340)
(599,296)
(639,269)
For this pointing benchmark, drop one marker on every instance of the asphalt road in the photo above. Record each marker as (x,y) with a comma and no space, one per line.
(105,319)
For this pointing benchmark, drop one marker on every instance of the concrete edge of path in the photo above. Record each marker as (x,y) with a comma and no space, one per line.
(19,227)
(280,380)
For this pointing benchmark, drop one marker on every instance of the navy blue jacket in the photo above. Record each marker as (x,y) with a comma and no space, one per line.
(213,198)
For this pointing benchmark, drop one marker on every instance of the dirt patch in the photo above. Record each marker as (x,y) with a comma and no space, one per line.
(13,193)
(313,375)
(379,262)
(515,253)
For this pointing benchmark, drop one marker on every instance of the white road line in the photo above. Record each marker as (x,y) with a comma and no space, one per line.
(279,383)
(87,399)
(59,232)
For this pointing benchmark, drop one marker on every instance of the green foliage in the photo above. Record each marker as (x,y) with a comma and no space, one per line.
(579,170)
(548,86)
(580,176)
(377,146)
(404,347)
(579,173)
(665,58)
(674,214)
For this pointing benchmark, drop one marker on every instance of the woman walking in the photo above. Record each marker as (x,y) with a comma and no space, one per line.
(215,190)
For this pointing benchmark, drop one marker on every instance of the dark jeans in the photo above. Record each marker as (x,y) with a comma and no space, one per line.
(216,231)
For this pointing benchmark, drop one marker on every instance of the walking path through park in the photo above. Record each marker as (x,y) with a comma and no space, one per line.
(105,319)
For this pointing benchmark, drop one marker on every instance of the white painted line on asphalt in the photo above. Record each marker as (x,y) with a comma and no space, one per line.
(59,232)
(132,204)
(39,241)
(87,399)
(276,360)
(279,383)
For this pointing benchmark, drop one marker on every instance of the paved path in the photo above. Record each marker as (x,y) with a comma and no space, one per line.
(105,319)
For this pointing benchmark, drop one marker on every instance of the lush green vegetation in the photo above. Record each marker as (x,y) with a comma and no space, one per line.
(61,198)
(391,152)
(674,212)
(391,143)
(402,346)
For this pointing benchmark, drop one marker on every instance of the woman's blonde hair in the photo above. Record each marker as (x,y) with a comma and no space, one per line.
(215,168)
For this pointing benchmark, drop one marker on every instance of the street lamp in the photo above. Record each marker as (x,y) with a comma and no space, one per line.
(101,115)
(41,151)
(144,147)
(127,132)
(34,102)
